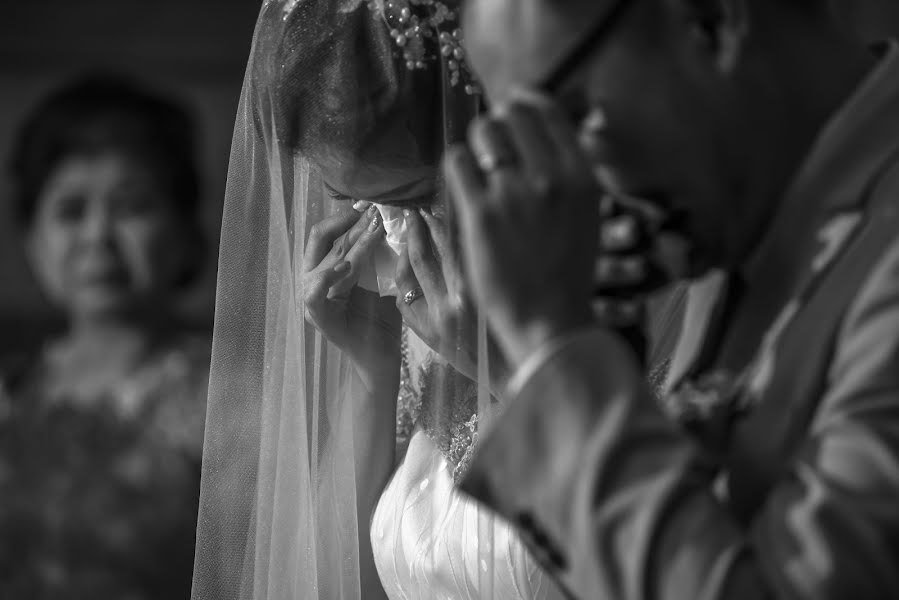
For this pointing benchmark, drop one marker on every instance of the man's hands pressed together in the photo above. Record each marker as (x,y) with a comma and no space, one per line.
(529,220)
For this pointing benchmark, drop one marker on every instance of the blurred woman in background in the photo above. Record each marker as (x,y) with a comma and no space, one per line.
(101,431)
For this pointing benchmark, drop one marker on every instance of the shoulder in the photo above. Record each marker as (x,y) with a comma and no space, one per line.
(184,359)
(177,379)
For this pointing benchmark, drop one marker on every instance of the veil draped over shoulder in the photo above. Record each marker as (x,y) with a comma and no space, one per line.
(343,100)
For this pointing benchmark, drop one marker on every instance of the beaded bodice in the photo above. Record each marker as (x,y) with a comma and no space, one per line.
(440,400)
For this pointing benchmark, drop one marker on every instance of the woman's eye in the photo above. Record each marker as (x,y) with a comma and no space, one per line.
(337,195)
(69,209)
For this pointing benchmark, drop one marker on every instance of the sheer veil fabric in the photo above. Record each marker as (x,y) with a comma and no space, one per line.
(334,109)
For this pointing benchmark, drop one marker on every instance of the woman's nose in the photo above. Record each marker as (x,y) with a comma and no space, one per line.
(97,226)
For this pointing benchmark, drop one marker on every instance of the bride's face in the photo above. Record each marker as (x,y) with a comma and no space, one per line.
(345,101)
(355,180)
(396,162)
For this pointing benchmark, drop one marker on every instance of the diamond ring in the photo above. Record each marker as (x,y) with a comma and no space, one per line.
(413,295)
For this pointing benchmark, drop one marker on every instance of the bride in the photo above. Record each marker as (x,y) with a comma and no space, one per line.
(334,431)
(349,379)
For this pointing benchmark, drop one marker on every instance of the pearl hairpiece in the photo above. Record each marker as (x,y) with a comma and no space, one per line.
(412,22)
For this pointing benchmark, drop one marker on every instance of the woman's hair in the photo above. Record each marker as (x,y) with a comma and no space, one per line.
(99,114)
(104,113)
(328,75)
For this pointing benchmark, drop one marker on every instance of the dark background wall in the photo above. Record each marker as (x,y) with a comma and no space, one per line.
(194,50)
(870,19)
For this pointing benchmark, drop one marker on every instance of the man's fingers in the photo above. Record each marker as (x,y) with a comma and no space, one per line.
(465,182)
(561,132)
(492,146)
(533,145)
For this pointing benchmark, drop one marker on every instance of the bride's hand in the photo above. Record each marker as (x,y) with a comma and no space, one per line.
(361,323)
(443,315)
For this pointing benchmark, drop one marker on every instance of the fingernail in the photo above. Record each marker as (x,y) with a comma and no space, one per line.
(361,205)
(595,121)
(342,267)
(424,212)
(372,209)
(375,223)
(407,213)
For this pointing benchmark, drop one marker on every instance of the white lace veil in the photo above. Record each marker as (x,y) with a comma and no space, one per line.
(325,82)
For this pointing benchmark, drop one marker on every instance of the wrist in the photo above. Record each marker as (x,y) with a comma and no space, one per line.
(521,339)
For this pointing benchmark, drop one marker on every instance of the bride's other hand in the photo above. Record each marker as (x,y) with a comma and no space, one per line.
(442,315)
(361,323)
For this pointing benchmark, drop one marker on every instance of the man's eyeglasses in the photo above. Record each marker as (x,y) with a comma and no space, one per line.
(573,59)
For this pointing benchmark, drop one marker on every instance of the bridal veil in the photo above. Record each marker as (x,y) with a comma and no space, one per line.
(329,86)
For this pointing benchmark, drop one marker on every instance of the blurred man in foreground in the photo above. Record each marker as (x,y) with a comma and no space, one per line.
(771,468)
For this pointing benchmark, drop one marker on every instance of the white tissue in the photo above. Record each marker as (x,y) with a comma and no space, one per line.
(381,277)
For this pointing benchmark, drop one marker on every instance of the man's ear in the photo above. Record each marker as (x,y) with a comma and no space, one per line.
(721,26)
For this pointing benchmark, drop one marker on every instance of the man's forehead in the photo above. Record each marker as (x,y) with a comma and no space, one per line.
(513,43)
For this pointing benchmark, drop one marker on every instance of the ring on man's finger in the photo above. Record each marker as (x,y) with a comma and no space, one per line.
(413,295)
(489,162)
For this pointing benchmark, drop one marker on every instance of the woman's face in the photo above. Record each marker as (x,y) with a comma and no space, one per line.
(389,169)
(106,239)
(395,160)
(382,185)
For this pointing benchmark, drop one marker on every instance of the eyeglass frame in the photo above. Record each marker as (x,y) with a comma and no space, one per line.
(552,82)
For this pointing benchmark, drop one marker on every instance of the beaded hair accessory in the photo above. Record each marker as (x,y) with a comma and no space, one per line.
(426,31)
(423,30)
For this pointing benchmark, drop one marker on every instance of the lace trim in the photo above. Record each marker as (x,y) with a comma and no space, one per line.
(445,404)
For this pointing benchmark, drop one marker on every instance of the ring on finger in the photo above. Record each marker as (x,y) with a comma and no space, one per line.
(413,295)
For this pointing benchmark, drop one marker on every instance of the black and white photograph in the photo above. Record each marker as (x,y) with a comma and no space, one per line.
(449,300)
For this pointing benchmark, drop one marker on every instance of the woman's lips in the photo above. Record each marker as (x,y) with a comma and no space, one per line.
(109,274)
